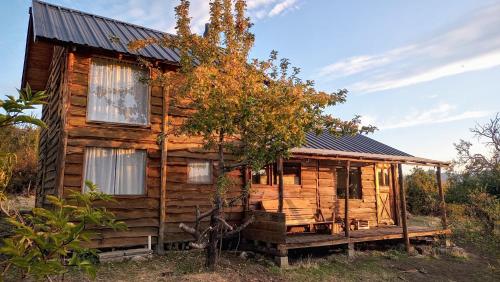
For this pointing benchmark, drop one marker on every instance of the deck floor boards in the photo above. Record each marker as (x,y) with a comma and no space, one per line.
(306,240)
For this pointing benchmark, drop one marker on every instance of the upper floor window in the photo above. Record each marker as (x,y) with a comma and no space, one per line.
(354,182)
(116,93)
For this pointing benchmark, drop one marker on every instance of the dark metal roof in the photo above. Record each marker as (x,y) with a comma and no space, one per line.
(71,26)
(357,143)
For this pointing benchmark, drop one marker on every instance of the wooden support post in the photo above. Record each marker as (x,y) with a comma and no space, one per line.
(395,193)
(280,184)
(442,204)
(160,248)
(346,212)
(403,209)
(350,250)
(246,186)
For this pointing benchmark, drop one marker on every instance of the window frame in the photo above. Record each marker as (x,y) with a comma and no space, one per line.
(275,174)
(382,177)
(351,168)
(114,123)
(119,196)
(269,171)
(211,172)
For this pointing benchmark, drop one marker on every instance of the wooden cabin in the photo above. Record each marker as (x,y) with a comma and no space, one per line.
(104,124)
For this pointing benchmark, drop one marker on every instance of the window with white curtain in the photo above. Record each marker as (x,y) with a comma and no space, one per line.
(116,93)
(116,171)
(199,172)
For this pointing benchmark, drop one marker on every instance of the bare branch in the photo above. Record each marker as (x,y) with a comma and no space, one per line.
(238,229)
(227,225)
(190,230)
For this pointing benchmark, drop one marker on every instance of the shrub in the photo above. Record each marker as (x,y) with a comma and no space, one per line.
(485,208)
(23,143)
(422,193)
(50,241)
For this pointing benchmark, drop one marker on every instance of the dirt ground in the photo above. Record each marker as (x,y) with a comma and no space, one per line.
(368,265)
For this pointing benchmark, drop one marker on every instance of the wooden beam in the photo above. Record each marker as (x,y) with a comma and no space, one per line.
(403,208)
(280,184)
(163,174)
(442,204)
(395,193)
(346,212)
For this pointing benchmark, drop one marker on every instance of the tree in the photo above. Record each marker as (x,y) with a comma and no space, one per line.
(254,110)
(476,172)
(15,108)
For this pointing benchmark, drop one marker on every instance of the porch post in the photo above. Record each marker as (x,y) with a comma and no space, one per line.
(395,192)
(403,208)
(346,205)
(280,184)
(442,204)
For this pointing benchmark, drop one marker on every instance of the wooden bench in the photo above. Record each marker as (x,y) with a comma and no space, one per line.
(298,212)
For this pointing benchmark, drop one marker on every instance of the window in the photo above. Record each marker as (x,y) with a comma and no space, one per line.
(116,93)
(354,182)
(291,174)
(383,177)
(199,172)
(116,171)
(262,176)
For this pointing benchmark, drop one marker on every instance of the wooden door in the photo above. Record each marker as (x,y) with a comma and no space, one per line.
(383,188)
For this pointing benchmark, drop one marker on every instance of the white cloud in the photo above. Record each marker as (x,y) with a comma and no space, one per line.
(442,113)
(159,14)
(281,7)
(471,44)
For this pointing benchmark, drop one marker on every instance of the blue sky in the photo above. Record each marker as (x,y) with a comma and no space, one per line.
(423,71)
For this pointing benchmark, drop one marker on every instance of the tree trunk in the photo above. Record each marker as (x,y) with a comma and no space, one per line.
(212,250)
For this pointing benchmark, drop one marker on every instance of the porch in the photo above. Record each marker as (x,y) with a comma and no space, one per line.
(336,202)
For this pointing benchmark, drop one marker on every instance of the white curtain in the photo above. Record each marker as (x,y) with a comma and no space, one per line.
(116,93)
(130,172)
(200,172)
(116,171)
(100,167)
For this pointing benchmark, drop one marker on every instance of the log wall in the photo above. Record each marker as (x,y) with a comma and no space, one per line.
(183,197)
(319,187)
(51,138)
(140,213)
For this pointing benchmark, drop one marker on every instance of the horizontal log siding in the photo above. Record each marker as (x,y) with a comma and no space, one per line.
(182,197)
(140,213)
(324,180)
(51,137)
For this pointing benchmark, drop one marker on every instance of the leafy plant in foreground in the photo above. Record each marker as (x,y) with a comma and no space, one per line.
(51,241)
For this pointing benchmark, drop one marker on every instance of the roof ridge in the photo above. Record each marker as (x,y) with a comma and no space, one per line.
(101,17)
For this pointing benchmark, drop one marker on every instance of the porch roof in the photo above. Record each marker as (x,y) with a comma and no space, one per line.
(358,148)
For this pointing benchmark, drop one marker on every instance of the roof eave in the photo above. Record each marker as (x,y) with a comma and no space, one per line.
(334,154)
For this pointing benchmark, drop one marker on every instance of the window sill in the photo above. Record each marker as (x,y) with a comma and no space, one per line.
(119,124)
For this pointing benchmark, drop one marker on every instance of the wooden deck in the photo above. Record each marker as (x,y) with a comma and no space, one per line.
(308,240)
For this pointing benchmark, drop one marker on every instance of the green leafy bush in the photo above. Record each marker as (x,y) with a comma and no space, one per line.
(422,192)
(51,241)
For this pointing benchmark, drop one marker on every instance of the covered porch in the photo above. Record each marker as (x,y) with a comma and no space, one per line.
(287,224)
